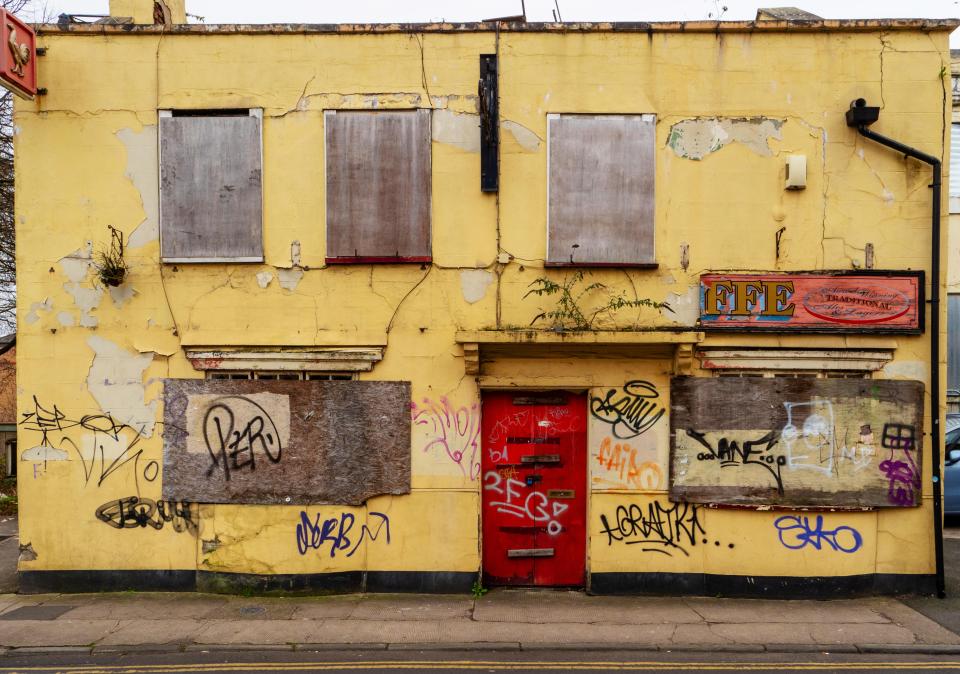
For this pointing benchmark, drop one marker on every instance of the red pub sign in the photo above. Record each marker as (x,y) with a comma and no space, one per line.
(813,302)
(18,56)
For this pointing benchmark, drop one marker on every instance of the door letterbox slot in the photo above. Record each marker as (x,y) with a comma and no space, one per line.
(530,552)
(560,493)
(540,458)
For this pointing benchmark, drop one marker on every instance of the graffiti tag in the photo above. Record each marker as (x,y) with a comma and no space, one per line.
(796,532)
(455,430)
(313,534)
(630,411)
(134,511)
(663,529)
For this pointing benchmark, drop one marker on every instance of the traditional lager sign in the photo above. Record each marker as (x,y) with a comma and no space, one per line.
(816,301)
(18,56)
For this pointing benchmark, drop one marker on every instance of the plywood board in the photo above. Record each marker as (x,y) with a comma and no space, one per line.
(210,188)
(378,184)
(601,189)
(797,442)
(290,442)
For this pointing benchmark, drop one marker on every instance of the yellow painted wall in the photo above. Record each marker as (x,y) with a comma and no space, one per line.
(87,158)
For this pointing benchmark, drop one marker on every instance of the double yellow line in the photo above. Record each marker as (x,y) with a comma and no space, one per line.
(559,665)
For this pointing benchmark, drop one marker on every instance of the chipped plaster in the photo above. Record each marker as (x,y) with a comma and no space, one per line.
(474,284)
(289,278)
(686,306)
(526,138)
(77,266)
(142,171)
(32,315)
(116,382)
(461,130)
(697,138)
(264,278)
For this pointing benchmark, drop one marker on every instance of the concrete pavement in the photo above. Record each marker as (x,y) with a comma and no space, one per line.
(501,620)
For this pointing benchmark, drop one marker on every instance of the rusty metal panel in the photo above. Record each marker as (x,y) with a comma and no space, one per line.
(601,189)
(290,442)
(378,185)
(797,442)
(210,188)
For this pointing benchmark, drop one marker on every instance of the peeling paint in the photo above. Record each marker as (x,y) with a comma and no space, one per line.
(77,266)
(32,316)
(289,278)
(906,369)
(142,172)
(66,319)
(474,284)
(461,130)
(122,294)
(44,453)
(115,381)
(526,138)
(696,138)
(295,253)
(686,306)
(264,278)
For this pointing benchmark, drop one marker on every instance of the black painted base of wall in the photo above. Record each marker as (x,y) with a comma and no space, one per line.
(437,582)
(453,582)
(33,582)
(773,587)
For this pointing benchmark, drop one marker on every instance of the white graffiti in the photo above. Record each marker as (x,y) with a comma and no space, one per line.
(814,446)
(535,506)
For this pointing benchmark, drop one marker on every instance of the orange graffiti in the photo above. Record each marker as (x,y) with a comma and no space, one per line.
(621,459)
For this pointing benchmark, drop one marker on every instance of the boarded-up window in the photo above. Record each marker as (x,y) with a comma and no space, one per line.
(378,186)
(210,187)
(600,190)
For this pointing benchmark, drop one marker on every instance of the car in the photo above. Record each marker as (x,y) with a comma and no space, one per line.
(951,472)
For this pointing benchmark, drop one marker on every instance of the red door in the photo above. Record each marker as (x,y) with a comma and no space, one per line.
(534,465)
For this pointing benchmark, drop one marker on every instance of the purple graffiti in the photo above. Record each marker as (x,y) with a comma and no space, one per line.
(903,476)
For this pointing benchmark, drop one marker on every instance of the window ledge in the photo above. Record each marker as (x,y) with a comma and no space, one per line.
(846,360)
(207,260)
(615,265)
(379,260)
(340,359)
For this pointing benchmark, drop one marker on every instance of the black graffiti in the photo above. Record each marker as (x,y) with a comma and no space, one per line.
(53,425)
(233,448)
(133,511)
(631,411)
(748,453)
(313,534)
(898,436)
(659,529)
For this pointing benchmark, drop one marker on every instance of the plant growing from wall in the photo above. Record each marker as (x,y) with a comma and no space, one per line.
(111,267)
(568,314)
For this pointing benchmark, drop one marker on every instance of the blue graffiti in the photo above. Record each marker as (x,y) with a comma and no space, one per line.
(311,535)
(796,533)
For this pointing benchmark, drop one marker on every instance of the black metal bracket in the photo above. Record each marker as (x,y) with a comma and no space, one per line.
(488,93)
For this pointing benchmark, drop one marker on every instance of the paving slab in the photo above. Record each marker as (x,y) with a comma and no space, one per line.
(536,606)
(260,632)
(612,635)
(863,633)
(926,630)
(335,630)
(696,634)
(412,607)
(155,606)
(312,608)
(24,633)
(260,608)
(8,526)
(764,633)
(784,611)
(140,632)
(9,556)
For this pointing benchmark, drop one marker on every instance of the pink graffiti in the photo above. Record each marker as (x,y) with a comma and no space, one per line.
(455,429)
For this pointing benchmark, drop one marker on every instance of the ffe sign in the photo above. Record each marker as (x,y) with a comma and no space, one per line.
(18,56)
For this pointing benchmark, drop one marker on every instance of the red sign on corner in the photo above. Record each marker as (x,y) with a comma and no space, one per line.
(18,56)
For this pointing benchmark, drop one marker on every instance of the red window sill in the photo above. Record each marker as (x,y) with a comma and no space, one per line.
(630,265)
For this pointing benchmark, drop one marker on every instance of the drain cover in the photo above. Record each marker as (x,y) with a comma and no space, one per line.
(39,612)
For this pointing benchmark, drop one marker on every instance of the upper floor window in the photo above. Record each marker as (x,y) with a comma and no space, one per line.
(378,185)
(211,186)
(600,190)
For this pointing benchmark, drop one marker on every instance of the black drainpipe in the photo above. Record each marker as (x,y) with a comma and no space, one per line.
(861,116)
